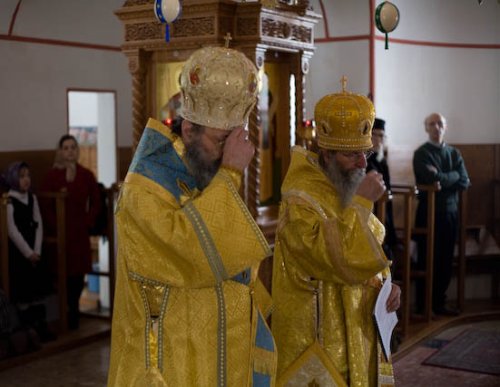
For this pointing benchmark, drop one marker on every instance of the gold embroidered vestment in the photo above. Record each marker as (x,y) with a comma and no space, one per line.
(328,268)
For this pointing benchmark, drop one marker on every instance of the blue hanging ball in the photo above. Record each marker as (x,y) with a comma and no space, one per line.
(167,11)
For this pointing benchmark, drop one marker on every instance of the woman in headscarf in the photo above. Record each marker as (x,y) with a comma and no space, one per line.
(82,208)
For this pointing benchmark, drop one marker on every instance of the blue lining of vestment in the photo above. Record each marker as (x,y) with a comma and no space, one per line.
(156,159)
(261,380)
(243,277)
(264,338)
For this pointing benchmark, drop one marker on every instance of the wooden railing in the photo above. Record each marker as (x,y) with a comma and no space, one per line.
(408,193)
(405,271)
(112,196)
(381,204)
(429,231)
(58,243)
(59,240)
(407,231)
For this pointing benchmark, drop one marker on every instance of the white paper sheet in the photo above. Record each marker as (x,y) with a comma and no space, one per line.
(385,321)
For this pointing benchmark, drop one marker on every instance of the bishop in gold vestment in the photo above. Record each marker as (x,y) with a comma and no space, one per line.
(189,309)
(329,264)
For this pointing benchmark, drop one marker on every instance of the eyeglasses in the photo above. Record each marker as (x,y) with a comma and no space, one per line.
(356,155)
(216,140)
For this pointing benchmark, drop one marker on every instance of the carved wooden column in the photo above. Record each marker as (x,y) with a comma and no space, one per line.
(252,176)
(4,245)
(137,66)
(300,87)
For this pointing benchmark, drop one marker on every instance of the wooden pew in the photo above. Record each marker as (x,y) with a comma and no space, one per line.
(409,193)
(478,253)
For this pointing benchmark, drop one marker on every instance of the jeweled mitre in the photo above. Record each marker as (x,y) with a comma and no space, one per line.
(344,121)
(219,87)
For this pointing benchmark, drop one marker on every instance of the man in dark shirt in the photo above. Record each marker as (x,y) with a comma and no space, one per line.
(437,162)
(377,161)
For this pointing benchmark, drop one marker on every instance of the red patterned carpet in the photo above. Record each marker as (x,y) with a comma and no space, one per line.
(474,350)
(412,370)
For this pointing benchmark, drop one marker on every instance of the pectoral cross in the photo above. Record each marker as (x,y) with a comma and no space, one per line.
(343,82)
(227,38)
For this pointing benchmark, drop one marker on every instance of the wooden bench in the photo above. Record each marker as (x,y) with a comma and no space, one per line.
(478,253)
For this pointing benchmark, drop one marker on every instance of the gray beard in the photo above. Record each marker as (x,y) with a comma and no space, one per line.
(202,171)
(346,183)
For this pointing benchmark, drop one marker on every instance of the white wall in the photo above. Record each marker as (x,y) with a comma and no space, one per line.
(330,62)
(410,80)
(333,59)
(345,17)
(413,80)
(461,83)
(34,77)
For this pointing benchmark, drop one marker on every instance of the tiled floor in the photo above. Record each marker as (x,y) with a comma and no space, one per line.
(83,366)
(87,366)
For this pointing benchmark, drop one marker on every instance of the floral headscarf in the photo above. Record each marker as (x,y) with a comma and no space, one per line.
(11,175)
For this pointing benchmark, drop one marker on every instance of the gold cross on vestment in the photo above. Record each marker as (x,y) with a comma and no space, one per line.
(228,38)
(343,114)
(343,82)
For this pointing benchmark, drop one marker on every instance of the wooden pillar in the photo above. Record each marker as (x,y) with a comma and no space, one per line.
(461,251)
(252,174)
(406,269)
(60,199)
(4,245)
(59,240)
(429,232)
(300,92)
(137,67)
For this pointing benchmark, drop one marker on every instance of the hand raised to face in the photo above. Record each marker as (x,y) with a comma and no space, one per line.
(372,187)
(238,150)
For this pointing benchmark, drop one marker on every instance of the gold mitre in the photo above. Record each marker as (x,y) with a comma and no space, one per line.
(344,121)
(219,88)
